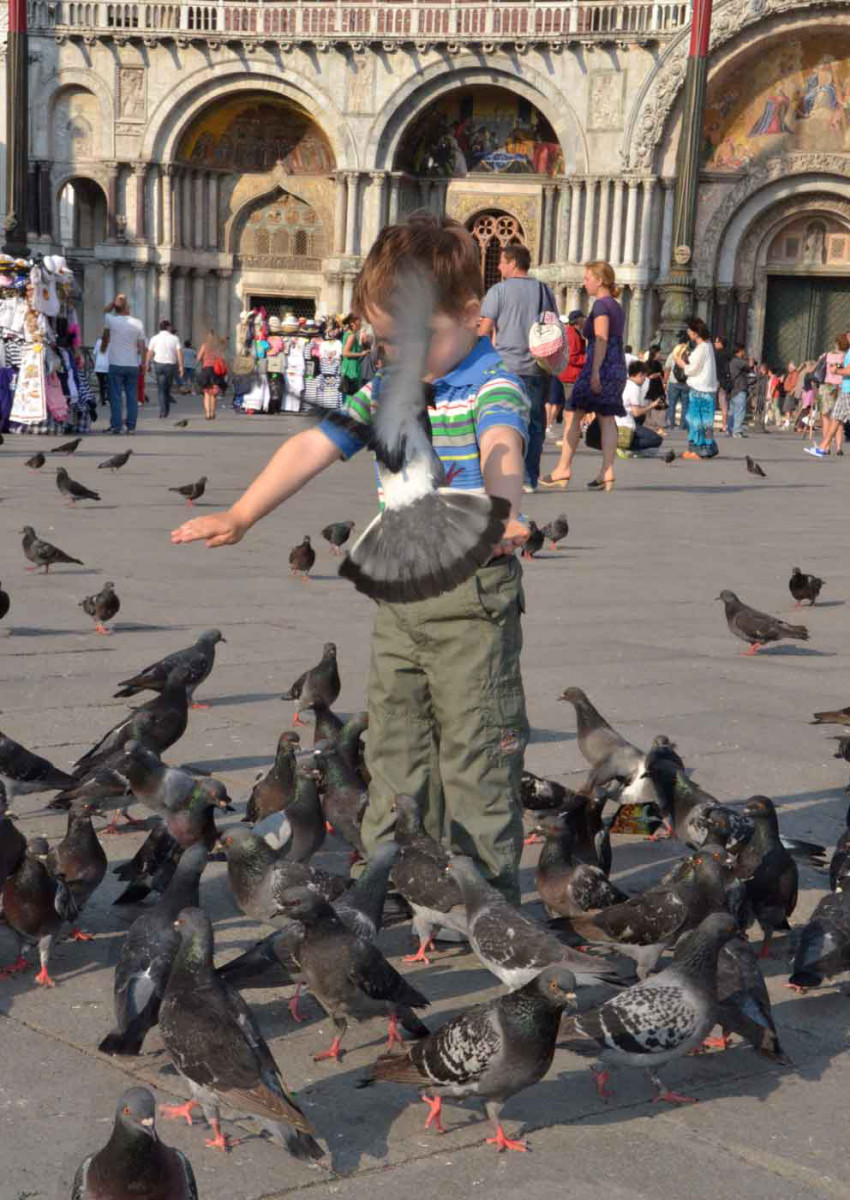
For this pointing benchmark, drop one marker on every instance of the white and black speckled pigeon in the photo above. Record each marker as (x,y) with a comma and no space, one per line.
(71,489)
(147,953)
(663,1017)
(43,554)
(429,537)
(259,876)
(823,946)
(198,659)
(276,789)
(743,1001)
(134,1164)
(420,875)
(566,885)
(511,945)
(216,1045)
(757,628)
(23,773)
(348,975)
(491,1051)
(320,683)
(102,607)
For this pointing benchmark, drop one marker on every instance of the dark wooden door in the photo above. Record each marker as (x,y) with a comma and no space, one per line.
(803,317)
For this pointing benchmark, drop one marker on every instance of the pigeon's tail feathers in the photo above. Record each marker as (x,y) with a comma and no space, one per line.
(395,1068)
(126,1042)
(300,1145)
(60,803)
(134,894)
(412,1024)
(64,902)
(794,631)
(815,853)
(425,548)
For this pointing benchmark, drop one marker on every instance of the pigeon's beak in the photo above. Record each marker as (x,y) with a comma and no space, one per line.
(147,1122)
(224,639)
(225,804)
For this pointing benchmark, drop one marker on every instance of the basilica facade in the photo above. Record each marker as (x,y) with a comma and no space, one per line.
(207,157)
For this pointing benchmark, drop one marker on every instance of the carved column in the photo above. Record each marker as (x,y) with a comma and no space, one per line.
(108,282)
(45,200)
(395,199)
(721,311)
(347,291)
(702,296)
(199,210)
(151,302)
(335,292)
(186,213)
(565,208)
(178,305)
(644,253)
(166,272)
(601,250)
(199,322)
(32,217)
(339,213)
(743,298)
(617,225)
(573,298)
(575,217)
(589,210)
(111,201)
(547,223)
(351,212)
(225,304)
(637,318)
(425,186)
(140,271)
(631,222)
(379,190)
(212,213)
(139,172)
(166,175)
(667,226)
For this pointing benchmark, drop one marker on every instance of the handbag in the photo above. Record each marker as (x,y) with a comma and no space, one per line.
(547,341)
(276,364)
(57,403)
(220,366)
(243,364)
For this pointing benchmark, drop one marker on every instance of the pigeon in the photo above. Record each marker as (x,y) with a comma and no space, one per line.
(5,603)
(23,773)
(754,468)
(13,844)
(327,727)
(756,627)
(198,659)
(538,795)
(511,945)
(216,1045)
(591,841)
(823,947)
(768,870)
(72,490)
(66,447)
(151,868)
(192,491)
(79,860)
(349,745)
(305,817)
(841,856)
(274,791)
(301,558)
(615,761)
(115,462)
(556,530)
(843,750)
(43,554)
(344,797)
(744,1004)
(429,537)
(134,1162)
(102,784)
(533,544)
(663,1017)
(348,975)
(319,683)
(271,962)
(184,424)
(568,887)
(840,716)
(337,535)
(35,904)
(693,815)
(420,875)
(102,607)
(361,907)
(669,457)
(259,876)
(493,1051)
(147,954)
(36,462)
(804,587)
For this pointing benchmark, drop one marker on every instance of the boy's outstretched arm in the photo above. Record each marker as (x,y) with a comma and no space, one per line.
(502,467)
(294,464)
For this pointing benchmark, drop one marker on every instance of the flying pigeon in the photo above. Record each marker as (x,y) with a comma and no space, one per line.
(66,447)
(36,462)
(102,607)
(115,462)
(43,554)
(320,683)
(197,659)
(23,773)
(557,530)
(192,491)
(429,537)
(804,587)
(301,558)
(756,627)
(215,1042)
(72,490)
(492,1051)
(337,535)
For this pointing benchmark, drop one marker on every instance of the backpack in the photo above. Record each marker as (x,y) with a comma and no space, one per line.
(547,341)
(819,373)
(220,366)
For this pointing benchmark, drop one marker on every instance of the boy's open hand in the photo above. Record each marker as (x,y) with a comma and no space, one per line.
(219,529)
(515,536)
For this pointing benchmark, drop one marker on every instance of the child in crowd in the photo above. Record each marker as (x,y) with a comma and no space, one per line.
(190,361)
(447,719)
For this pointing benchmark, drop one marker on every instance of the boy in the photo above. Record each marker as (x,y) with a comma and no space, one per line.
(447,719)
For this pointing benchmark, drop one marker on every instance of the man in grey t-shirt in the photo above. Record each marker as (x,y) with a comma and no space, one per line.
(508,311)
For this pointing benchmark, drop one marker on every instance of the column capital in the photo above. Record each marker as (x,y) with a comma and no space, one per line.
(668,184)
(549,189)
(633,182)
(165,268)
(140,169)
(139,267)
(112,168)
(724,295)
(744,295)
(378,176)
(168,169)
(703,294)
(638,289)
(224,272)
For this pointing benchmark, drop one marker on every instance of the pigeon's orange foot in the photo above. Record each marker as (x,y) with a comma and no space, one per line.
(293,1005)
(333,1051)
(296,720)
(102,629)
(221,1141)
(600,1080)
(79,935)
(754,649)
(666,1097)
(717,1043)
(532,839)
(328,827)
(503,1143)
(394,1038)
(173,1112)
(195,704)
(15,968)
(43,979)
(420,955)
(435,1104)
(796,987)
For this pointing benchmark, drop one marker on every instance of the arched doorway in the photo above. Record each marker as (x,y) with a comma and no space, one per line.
(82,214)
(492,230)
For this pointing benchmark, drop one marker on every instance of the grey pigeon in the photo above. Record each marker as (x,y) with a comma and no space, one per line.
(5,603)
(71,489)
(348,975)
(538,794)
(259,876)
(591,841)
(804,587)
(35,904)
(841,855)
(420,874)
(361,907)
(115,462)
(184,424)
(197,659)
(556,530)
(66,447)
(147,954)
(429,537)
(320,683)
(533,544)
(275,790)
(151,868)
(491,1051)
(754,468)
(134,1162)
(757,628)
(566,885)
(337,534)
(192,491)
(102,607)
(511,945)
(823,946)
(13,844)
(614,759)
(23,773)
(36,462)
(216,1045)
(302,558)
(663,1017)
(768,870)
(43,554)
(305,817)
(743,1001)
(344,796)
(79,860)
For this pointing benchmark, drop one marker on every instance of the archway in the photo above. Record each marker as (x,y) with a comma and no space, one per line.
(82,214)
(281,232)
(492,230)
(251,132)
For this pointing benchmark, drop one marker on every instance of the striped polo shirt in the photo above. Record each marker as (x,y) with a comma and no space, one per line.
(477,395)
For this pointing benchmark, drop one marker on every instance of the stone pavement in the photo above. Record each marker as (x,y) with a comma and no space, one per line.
(625,610)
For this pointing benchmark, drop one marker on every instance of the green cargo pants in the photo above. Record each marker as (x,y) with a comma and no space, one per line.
(447,719)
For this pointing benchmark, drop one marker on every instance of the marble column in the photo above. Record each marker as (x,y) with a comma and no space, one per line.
(186,210)
(334,292)
(224,317)
(644,253)
(32,200)
(575,217)
(395,199)
(45,200)
(547,224)
(703,296)
(743,299)
(637,318)
(139,172)
(339,213)
(573,298)
(589,213)
(667,226)
(212,215)
(347,291)
(425,194)
(166,175)
(108,282)
(721,311)
(151,303)
(617,225)
(166,272)
(565,205)
(601,250)
(199,210)
(139,302)
(178,305)
(379,202)
(351,211)
(111,201)
(631,222)
(199,319)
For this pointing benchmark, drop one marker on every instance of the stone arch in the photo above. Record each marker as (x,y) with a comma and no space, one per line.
(90,219)
(651,111)
(176,111)
(410,100)
(752,248)
(44,107)
(282,187)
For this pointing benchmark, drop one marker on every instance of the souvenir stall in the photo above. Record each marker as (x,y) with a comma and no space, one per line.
(44,387)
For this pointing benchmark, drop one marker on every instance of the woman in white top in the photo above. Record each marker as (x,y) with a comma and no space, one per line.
(701,373)
(101,368)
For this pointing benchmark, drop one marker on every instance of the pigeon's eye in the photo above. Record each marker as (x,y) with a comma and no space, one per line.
(697,862)
(126,1110)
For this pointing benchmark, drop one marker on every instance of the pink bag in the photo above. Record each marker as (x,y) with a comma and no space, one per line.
(547,341)
(57,404)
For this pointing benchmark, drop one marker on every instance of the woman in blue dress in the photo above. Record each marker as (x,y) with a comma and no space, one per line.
(599,388)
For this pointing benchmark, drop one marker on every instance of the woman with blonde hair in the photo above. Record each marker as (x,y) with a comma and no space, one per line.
(599,387)
(212,375)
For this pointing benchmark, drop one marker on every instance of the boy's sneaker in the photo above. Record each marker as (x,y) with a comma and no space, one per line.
(624,453)
(816,452)
(528,489)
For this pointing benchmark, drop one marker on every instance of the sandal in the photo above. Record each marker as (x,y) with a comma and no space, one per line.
(546,481)
(601,485)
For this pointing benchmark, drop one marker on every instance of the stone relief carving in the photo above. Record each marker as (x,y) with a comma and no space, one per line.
(131,93)
(777,214)
(605,100)
(76,115)
(245,189)
(526,209)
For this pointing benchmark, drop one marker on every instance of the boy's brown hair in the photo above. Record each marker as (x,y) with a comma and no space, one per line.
(440,245)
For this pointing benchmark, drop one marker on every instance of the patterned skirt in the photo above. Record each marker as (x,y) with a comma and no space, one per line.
(701,423)
(841,408)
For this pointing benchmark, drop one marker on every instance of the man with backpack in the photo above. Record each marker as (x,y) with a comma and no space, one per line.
(739,371)
(675,381)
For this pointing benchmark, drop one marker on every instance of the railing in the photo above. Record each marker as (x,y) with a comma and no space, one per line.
(304,20)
